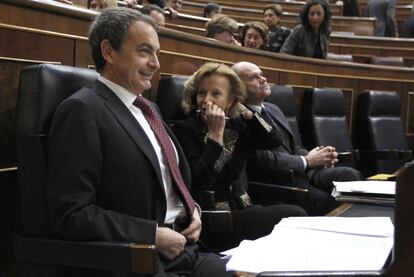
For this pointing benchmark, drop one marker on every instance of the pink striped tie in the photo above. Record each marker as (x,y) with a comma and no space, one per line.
(158,128)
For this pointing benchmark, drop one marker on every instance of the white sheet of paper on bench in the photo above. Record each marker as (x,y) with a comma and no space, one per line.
(364,226)
(373,187)
(290,247)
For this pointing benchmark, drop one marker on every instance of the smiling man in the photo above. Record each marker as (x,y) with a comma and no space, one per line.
(116,172)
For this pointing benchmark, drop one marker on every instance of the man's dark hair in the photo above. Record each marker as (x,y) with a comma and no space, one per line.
(304,15)
(276,8)
(147,9)
(210,7)
(113,24)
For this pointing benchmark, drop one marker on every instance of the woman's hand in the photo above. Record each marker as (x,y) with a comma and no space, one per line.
(215,119)
(244,112)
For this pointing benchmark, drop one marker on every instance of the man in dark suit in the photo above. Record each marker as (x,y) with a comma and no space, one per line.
(314,170)
(114,175)
(384,11)
(407,29)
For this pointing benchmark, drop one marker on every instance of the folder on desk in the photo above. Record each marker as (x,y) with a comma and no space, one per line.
(377,192)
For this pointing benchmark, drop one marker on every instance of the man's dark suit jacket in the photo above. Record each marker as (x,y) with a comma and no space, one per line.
(407,29)
(104,177)
(384,11)
(272,166)
(283,157)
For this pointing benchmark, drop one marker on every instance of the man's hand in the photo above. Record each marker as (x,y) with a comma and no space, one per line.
(192,232)
(169,243)
(322,156)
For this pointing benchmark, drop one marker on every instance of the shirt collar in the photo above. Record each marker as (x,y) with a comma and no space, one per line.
(256,108)
(123,94)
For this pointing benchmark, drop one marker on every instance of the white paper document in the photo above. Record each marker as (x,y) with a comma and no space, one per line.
(376,187)
(318,244)
(380,192)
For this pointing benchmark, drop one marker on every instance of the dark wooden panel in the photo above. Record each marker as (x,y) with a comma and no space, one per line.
(25,44)
(62,19)
(82,54)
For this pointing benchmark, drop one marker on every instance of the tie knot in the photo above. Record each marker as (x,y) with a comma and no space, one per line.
(143,104)
(140,102)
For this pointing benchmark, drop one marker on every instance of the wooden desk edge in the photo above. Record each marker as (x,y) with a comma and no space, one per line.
(341,209)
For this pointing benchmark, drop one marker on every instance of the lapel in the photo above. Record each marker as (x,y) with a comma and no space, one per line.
(276,115)
(130,125)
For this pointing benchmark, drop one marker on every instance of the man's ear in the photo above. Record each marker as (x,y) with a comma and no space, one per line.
(107,51)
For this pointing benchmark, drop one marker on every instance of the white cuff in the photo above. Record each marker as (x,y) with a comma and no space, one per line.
(305,163)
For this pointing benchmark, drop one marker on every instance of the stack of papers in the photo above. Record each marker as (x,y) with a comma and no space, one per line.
(380,192)
(317,244)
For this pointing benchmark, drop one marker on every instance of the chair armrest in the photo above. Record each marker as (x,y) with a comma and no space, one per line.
(217,221)
(130,257)
(386,154)
(264,193)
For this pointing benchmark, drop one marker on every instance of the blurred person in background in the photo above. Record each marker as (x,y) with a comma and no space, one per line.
(276,34)
(407,29)
(311,37)
(211,9)
(98,5)
(254,35)
(384,11)
(222,28)
(156,13)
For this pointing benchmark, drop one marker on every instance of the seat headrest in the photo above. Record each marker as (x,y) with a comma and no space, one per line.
(43,87)
(170,97)
(381,103)
(327,102)
(282,96)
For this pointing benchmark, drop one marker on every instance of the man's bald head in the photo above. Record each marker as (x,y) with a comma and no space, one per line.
(257,88)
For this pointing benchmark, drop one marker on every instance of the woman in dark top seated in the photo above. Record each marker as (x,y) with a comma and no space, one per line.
(276,34)
(217,138)
(311,37)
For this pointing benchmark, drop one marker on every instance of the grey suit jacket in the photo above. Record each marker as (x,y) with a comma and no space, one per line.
(384,11)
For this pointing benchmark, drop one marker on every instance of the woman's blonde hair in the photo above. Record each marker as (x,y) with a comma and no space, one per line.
(221,23)
(191,86)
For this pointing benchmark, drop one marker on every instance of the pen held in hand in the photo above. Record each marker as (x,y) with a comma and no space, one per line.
(202,113)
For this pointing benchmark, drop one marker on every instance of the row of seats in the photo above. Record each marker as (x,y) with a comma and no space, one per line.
(378,143)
